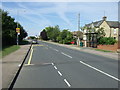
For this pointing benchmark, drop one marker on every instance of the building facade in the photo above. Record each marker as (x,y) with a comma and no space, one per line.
(111,28)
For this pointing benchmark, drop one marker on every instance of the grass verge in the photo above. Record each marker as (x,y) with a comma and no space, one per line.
(7,50)
(102,50)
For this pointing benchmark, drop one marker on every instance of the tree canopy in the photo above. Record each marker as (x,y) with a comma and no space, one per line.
(57,35)
(9,26)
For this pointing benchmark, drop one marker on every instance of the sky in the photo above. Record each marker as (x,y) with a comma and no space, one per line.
(35,16)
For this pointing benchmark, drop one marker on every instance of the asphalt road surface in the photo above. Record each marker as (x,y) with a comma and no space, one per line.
(53,66)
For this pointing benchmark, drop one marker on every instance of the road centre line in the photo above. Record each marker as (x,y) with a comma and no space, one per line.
(56,50)
(61,76)
(55,67)
(67,83)
(59,73)
(100,71)
(52,63)
(66,55)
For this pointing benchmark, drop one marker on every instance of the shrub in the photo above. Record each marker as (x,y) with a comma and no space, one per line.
(107,41)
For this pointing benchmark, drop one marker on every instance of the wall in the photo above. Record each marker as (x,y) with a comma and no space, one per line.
(108,47)
(106,28)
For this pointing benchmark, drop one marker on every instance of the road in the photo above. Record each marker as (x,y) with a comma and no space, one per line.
(53,66)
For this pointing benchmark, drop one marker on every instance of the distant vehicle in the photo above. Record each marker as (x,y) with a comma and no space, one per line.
(72,42)
(34,41)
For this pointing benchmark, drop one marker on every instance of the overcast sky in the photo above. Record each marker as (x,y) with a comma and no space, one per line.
(35,16)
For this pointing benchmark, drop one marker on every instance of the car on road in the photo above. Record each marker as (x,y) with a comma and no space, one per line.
(34,41)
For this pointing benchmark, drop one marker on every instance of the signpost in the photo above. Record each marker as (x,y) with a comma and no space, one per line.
(18,33)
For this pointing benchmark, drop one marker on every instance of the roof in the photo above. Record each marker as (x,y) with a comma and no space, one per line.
(96,24)
(112,24)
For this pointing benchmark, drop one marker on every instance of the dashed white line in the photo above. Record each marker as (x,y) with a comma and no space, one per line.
(52,63)
(55,67)
(66,55)
(67,83)
(100,71)
(60,73)
(55,50)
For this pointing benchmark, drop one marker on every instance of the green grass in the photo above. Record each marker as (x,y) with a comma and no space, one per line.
(9,49)
(102,50)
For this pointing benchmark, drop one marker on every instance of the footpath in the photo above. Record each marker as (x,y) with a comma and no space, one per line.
(11,63)
(113,55)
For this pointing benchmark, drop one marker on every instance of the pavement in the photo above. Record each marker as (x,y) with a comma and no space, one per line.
(11,63)
(54,66)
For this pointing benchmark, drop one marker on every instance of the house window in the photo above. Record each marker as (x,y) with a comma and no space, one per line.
(115,31)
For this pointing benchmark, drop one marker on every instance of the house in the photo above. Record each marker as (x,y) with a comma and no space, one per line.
(111,28)
(77,33)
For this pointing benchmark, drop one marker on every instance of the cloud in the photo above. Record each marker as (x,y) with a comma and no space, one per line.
(41,14)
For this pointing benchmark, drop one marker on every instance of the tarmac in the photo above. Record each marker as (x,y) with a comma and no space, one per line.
(11,62)
(113,55)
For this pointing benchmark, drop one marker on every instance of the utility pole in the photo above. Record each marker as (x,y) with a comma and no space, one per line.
(78,38)
(17,33)
(78,21)
(17,29)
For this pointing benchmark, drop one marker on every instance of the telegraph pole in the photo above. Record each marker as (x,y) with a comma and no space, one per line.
(78,38)
(17,32)
(17,29)
(78,21)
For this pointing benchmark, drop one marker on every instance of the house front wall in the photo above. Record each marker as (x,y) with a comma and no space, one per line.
(114,33)
(110,32)
(106,28)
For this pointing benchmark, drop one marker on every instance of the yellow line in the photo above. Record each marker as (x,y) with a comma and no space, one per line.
(30,58)
(38,45)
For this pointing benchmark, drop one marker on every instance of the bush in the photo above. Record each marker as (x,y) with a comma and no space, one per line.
(107,41)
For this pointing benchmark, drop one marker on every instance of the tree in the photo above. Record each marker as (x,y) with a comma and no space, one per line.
(53,32)
(9,34)
(101,33)
(43,35)
(65,37)
(79,34)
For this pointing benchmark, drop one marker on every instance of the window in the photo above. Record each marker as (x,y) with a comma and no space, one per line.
(115,31)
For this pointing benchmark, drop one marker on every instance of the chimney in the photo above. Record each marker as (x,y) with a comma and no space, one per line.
(104,18)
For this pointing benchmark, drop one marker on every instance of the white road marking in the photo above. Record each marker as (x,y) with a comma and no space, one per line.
(50,47)
(52,63)
(55,50)
(67,83)
(60,73)
(100,71)
(55,67)
(19,65)
(66,55)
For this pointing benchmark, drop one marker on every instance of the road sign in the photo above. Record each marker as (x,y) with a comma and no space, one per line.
(18,30)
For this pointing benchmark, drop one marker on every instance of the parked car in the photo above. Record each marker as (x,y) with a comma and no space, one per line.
(34,41)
